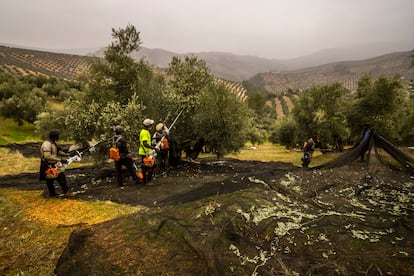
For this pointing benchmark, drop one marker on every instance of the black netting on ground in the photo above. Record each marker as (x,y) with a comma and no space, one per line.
(406,160)
(371,143)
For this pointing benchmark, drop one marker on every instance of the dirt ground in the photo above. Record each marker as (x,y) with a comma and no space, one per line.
(99,183)
(233,217)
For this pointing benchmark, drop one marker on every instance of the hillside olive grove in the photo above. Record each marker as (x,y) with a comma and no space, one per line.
(338,117)
(120,90)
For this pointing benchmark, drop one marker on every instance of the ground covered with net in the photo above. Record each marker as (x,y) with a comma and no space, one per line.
(233,217)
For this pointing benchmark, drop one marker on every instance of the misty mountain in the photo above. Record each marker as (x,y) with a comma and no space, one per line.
(74,51)
(350,53)
(274,76)
(238,68)
(347,73)
(223,65)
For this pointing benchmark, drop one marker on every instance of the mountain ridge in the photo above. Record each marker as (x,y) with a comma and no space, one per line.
(347,73)
(273,76)
(238,68)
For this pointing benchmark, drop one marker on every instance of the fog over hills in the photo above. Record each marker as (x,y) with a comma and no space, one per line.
(241,67)
(74,51)
(347,73)
(237,68)
(275,75)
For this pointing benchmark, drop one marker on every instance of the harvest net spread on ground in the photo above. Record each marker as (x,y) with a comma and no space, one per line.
(233,217)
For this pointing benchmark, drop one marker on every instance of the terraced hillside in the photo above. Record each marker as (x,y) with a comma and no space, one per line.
(235,87)
(22,62)
(282,105)
(348,73)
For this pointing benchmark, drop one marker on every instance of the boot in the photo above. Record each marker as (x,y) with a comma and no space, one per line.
(69,194)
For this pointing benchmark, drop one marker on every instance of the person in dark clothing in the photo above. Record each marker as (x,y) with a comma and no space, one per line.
(308,150)
(125,158)
(51,158)
(365,141)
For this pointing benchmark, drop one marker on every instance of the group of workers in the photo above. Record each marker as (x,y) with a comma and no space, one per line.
(153,153)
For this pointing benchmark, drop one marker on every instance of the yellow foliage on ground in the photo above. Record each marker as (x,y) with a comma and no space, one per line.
(12,163)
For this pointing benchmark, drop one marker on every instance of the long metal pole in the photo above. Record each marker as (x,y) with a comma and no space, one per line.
(175,120)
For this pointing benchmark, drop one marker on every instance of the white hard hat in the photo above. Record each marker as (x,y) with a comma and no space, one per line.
(159,126)
(148,122)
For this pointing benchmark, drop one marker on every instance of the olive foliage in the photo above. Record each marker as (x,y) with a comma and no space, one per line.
(336,115)
(20,101)
(23,107)
(381,104)
(221,120)
(122,91)
(320,110)
(111,97)
(212,116)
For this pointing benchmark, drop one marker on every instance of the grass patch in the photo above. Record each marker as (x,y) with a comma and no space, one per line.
(12,163)
(11,132)
(55,103)
(267,152)
(35,230)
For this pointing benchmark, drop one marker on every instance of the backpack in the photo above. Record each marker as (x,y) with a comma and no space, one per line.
(148,162)
(114,150)
(164,145)
(51,173)
(309,146)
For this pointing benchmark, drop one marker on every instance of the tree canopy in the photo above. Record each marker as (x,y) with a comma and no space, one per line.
(320,110)
(121,90)
(335,114)
(382,104)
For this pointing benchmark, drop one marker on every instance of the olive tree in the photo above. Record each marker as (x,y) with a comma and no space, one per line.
(24,106)
(114,78)
(211,117)
(286,133)
(95,123)
(115,94)
(186,79)
(221,120)
(321,110)
(382,104)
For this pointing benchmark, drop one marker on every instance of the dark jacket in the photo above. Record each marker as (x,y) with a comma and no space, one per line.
(121,145)
(309,146)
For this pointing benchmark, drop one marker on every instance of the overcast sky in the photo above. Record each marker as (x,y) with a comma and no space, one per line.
(264,28)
